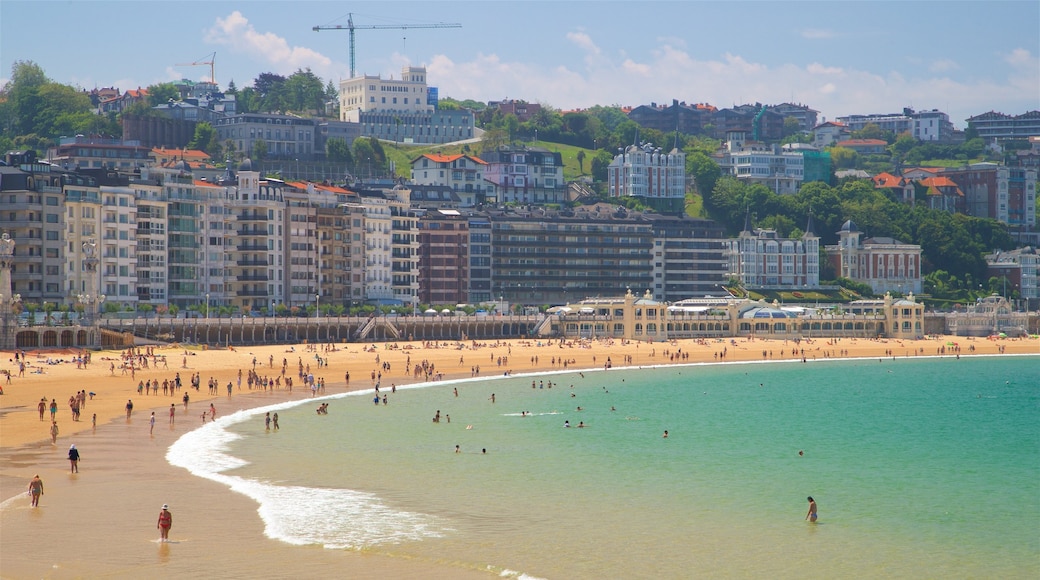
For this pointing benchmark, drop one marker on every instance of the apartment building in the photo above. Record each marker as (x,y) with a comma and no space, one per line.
(997,127)
(285,137)
(761,258)
(524,175)
(443,258)
(390,245)
(689,257)
(463,174)
(1018,272)
(755,162)
(542,256)
(656,178)
(32,213)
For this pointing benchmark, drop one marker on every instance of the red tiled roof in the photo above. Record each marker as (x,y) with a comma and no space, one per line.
(888,180)
(936,185)
(862,143)
(441,158)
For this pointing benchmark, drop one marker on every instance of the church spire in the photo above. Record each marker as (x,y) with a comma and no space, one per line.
(810,227)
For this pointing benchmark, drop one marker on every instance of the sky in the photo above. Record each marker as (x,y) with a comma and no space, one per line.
(838,57)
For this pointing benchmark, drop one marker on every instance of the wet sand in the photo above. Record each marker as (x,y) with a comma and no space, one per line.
(101,522)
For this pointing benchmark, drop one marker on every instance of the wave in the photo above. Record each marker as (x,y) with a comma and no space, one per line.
(333,518)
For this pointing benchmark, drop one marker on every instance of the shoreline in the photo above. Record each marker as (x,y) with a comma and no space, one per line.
(124,501)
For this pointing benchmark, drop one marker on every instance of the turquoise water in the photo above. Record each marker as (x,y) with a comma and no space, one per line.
(920,467)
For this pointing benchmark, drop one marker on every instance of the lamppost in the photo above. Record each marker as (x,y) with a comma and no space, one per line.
(207,306)
(317,305)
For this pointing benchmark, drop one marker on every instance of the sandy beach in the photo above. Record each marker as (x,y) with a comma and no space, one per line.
(101,521)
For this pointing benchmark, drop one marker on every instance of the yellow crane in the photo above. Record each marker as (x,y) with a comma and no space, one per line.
(351,27)
(212,57)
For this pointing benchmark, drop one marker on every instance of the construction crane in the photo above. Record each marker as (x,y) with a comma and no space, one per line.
(351,27)
(212,57)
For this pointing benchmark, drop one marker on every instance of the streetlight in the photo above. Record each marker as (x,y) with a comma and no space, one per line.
(207,306)
(317,305)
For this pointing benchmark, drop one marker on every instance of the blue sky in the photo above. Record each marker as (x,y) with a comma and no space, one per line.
(839,57)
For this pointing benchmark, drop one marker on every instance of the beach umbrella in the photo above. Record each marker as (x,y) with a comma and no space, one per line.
(1002,335)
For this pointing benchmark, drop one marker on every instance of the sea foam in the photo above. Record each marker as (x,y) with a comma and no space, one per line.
(333,518)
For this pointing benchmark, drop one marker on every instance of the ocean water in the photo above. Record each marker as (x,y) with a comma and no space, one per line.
(923,467)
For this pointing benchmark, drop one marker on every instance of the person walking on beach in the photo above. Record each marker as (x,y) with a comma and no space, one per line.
(36,490)
(267,422)
(42,407)
(165,523)
(54,432)
(151,424)
(54,408)
(173,412)
(74,458)
(129,408)
(811,516)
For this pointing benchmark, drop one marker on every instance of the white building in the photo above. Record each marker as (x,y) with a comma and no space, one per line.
(368,93)
(464,174)
(760,258)
(754,162)
(932,125)
(391,245)
(650,174)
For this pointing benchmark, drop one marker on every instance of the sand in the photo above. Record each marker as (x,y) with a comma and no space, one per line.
(101,521)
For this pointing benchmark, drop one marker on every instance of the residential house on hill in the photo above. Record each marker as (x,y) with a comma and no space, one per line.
(885,264)
(463,174)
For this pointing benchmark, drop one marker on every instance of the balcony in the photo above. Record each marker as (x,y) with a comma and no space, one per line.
(251,262)
(251,293)
(252,247)
(253,278)
(251,218)
(252,232)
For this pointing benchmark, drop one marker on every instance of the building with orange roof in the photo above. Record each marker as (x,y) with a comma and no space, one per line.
(463,174)
(898,188)
(943,194)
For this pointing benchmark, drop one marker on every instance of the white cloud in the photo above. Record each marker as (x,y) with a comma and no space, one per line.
(274,51)
(674,73)
(817,34)
(819,69)
(583,41)
(943,65)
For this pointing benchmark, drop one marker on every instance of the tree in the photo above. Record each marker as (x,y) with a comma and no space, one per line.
(581,160)
(205,138)
(599,165)
(705,172)
(303,91)
(163,93)
(337,149)
(843,157)
(493,139)
(259,150)
(791,126)
(20,98)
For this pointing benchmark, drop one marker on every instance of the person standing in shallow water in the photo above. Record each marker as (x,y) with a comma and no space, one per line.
(811,516)
(165,523)
(74,458)
(36,490)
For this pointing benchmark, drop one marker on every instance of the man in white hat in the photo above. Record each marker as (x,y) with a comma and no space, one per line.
(165,523)
(74,458)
